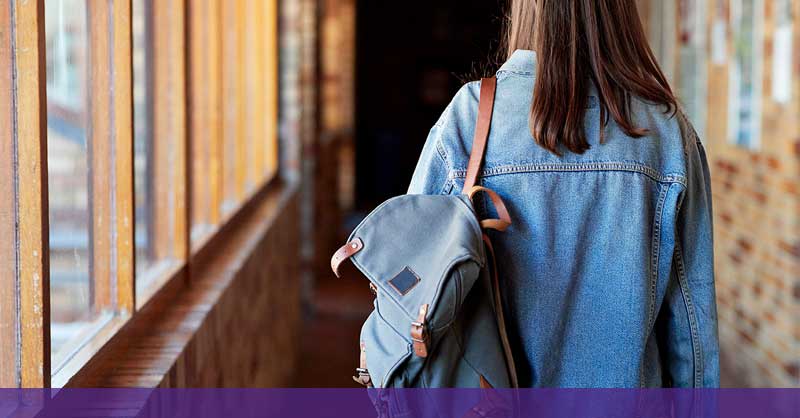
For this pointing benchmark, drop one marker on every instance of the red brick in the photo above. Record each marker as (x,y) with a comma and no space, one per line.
(773,163)
(739,314)
(793,370)
(791,187)
(745,336)
(760,197)
(770,317)
(757,290)
(745,244)
(728,185)
(792,249)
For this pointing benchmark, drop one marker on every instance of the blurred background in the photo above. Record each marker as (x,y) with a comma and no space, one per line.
(362,82)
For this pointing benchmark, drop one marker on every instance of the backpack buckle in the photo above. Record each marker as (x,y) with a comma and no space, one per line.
(419,333)
(362,377)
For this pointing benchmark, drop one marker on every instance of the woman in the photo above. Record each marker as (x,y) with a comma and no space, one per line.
(608,268)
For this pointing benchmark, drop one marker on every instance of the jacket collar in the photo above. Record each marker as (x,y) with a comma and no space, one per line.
(522,61)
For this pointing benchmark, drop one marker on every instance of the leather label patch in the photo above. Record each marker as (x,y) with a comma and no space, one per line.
(404,281)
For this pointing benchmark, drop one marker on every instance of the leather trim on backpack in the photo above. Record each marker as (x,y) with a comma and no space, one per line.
(345,252)
(419,333)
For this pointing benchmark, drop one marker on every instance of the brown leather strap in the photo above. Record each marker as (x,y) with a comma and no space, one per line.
(362,374)
(504,219)
(345,252)
(484,122)
(501,322)
(419,333)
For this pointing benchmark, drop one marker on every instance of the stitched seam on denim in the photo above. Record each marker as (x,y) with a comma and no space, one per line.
(655,251)
(655,255)
(690,312)
(577,167)
(443,155)
(515,72)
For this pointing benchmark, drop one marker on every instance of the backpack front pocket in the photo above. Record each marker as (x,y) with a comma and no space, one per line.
(385,350)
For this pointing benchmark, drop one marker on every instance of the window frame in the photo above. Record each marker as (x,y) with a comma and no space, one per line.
(169,234)
(110,147)
(26,331)
(187,108)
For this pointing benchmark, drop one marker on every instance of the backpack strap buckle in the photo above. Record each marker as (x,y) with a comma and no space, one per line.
(362,376)
(419,333)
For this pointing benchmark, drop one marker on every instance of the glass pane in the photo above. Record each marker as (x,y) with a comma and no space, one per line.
(68,169)
(142,136)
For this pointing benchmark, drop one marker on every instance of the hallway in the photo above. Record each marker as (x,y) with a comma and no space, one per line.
(178,174)
(329,348)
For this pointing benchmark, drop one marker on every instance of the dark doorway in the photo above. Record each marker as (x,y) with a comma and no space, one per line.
(412,57)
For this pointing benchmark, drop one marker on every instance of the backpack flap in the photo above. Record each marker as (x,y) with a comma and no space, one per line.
(410,244)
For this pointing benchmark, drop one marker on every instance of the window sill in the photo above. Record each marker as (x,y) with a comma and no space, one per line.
(143,350)
(155,279)
(105,330)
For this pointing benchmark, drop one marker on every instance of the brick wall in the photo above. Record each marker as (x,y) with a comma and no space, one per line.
(757,222)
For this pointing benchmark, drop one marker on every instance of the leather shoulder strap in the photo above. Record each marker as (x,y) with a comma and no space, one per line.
(484,122)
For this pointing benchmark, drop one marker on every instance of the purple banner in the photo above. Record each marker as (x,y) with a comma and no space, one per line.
(561,403)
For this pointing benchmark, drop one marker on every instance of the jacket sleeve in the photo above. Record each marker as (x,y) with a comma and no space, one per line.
(431,174)
(688,319)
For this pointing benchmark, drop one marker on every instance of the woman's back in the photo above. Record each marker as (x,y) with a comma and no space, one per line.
(607,271)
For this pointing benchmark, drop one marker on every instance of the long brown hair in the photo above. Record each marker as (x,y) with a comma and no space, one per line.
(578,42)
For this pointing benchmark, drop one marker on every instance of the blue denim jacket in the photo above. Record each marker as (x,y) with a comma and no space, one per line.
(608,268)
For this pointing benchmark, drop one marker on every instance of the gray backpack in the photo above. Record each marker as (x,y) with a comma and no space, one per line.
(438,319)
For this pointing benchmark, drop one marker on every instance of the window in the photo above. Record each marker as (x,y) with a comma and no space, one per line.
(251,99)
(86,172)
(159,141)
(142,138)
(745,74)
(136,103)
(72,296)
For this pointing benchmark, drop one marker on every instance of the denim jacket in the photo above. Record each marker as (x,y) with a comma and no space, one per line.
(607,270)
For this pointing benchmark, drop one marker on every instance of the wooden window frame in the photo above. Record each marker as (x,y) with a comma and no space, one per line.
(25,329)
(205,117)
(188,109)
(110,151)
(170,186)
